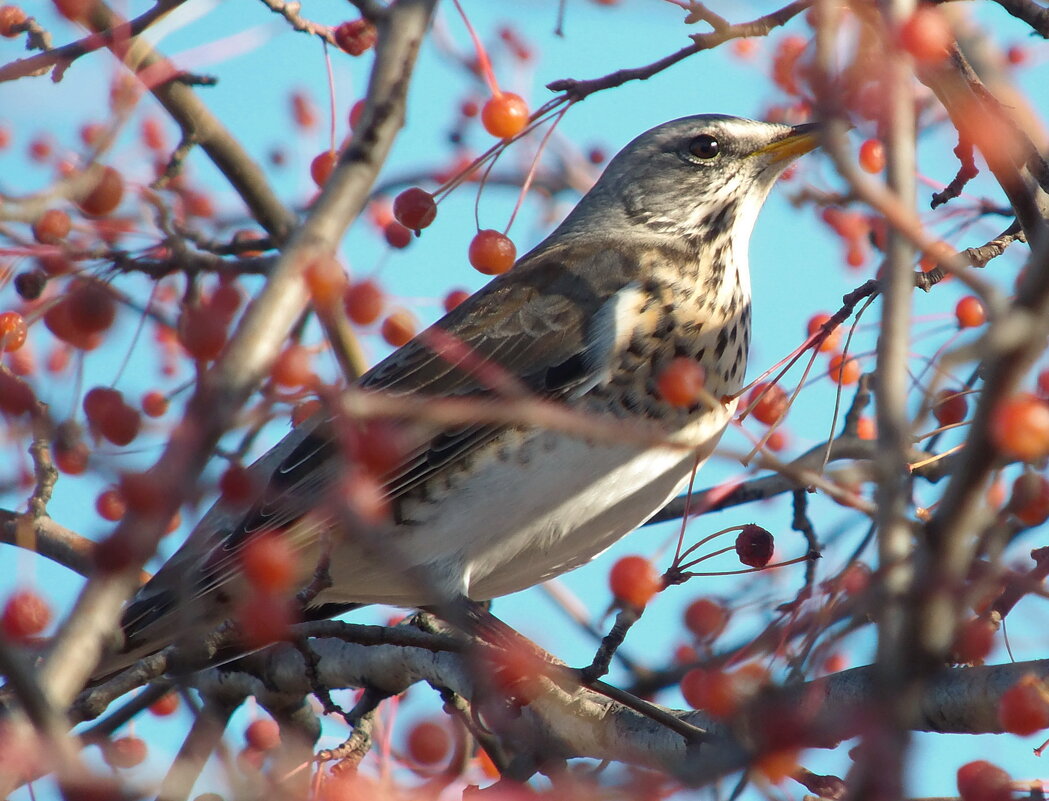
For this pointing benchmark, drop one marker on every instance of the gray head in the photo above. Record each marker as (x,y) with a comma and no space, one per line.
(689,177)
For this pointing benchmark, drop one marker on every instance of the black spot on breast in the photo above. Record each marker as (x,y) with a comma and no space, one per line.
(722,343)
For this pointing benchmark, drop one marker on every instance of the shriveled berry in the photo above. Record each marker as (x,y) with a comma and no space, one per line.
(356,36)
(754,545)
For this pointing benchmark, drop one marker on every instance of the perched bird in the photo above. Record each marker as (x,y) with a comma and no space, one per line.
(651,265)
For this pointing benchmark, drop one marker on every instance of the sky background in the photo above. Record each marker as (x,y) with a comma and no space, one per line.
(797,265)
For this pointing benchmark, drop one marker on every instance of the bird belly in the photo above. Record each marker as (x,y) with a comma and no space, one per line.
(533,506)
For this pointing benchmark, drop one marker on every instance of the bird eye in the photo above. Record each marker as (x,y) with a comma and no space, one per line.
(704,146)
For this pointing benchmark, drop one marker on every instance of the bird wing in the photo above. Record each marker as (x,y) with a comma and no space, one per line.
(552,328)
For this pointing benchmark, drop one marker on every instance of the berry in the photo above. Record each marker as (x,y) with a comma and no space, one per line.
(154,403)
(236,485)
(951,406)
(201,332)
(844,370)
(414,208)
(754,546)
(303,111)
(681,382)
(73,9)
(505,115)
(25,615)
(364,302)
(491,252)
(399,328)
(110,505)
(973,642)
(126,752)
(1024,707)
(263,619)
(262,734)
(926,35)
(292,367)
(165,705)
(429,743)
(326,280)
(970,312)
(872,156)
(91,307)
(1029,501)
(322,166)
(10,18)
(397,235)
(705,618)
(356,36)
(1020,427)
(712,691)
(269,564)
(454,298)
(15,396)
(982,781)
(152,133)
(816,323)
(769,403)
(866,428)
(355,114)
(13,331)
(52,227)
(634,580)
(105,195)
(30,285)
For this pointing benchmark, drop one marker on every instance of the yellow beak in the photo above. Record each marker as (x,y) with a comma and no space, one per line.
(798,142)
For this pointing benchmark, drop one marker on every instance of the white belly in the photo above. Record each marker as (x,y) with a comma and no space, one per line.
(514,523)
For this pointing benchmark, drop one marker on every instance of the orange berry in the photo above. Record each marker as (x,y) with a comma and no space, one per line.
(321,167)
(926,35)
(982,781)
(364,302)
(398,328)
(706,618)
(1020,427)
(154,403)
(872,156)
(970,312)
(505,115)
(10,18)
(713,691)
(51,227)
(13,331)
(1024,707)
(110,505)
(681,382)
(844,370)
(165,705)
(105,195)
(269,564)
(973,642)
(634,580)
(325,279)
(866,428)
(25,615)
(263,734)
(292,367)
(769,401)
(491,252)
(125,752)
(454,298)
(816,323)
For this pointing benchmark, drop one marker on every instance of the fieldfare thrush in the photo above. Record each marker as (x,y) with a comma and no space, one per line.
(650,265)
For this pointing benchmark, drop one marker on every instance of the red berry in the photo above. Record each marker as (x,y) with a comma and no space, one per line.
(153,134)
(355,114)
(681,383)
(126,752)
(25,615)
(154,403)
(982,781)
(397,235)
(51,227)
(292,367)
(950,407)
(754,546)
(236,485)
(144,493)
(713,691)
(321,167)
(505,115)
(105,195)
(1024,707)
(872,156)
(414,208)
(269,564)
(201,332)
(10,18)
(706,618)
(769,402)
(1020,427)
(263,734)
(110,505)
(844,370)
(1029,501)
(398,328)
(356,36)
(197,204)
(165,705)
(326,280)
(429,743)
(91,307)
(1016,55)
(364,302)
(13,331)
(263,619)
(970,312)
(634,580)
(926,35)
(973,642)
(91,133)
(454,298)
(491,252)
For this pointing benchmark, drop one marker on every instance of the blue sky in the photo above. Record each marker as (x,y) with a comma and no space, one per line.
(796,262)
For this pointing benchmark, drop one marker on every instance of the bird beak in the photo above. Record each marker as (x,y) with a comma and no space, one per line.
(800,140)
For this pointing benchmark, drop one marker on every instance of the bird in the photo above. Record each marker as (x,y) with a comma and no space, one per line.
(650,266)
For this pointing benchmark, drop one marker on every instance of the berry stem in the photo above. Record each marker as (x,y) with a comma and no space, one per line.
(532,168)
(483,62)
(331,96)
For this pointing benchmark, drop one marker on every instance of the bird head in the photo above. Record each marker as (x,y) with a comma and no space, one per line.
(693,177)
